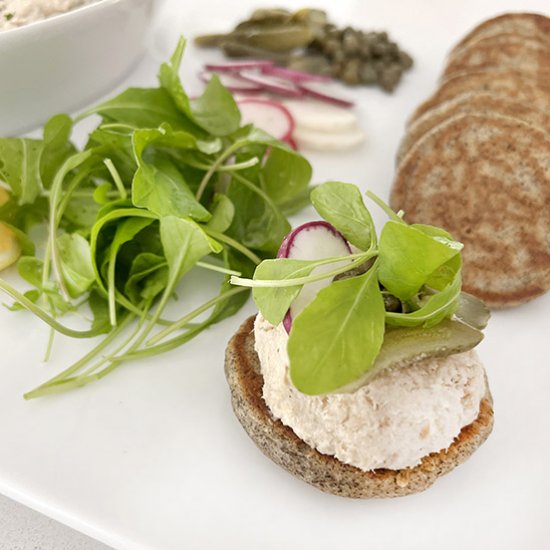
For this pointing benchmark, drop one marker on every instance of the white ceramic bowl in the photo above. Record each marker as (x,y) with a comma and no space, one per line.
(65,62)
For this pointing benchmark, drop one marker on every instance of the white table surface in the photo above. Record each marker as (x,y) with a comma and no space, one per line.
(152,458)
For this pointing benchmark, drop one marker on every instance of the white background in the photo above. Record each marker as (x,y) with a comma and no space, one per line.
(153,458)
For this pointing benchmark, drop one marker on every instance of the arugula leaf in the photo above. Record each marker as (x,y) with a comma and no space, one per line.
(20,167)
(408,256)
(159,186)
(140,285)
(56,147)
(344,327)
(215,110)
(76,263)
(143,108)
(100,312)
(184,244)
(170,81)
(341,204)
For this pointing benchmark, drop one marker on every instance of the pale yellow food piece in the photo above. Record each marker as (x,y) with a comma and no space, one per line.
(10,249)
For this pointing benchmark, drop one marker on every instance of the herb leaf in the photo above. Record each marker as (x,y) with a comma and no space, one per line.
(341,204)
(344,330)
(274,302)
(408,257)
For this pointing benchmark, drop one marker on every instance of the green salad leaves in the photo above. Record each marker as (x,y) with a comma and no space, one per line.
(165,184)
(408,278)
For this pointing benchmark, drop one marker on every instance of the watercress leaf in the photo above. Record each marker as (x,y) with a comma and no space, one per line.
(223,212)
(337,337)
(216,110)
(144,108)
(76,263)
(285,174)
(341,204)
(433,310)
(274,302)
(56,147)
(408,256)
(20,167)
(184,244)
(297,202)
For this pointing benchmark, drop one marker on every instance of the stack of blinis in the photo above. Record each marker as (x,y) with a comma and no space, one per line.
(476,158)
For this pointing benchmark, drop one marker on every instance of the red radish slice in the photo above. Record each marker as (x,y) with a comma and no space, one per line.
(323,92)
(291,143)
(295,76)
(237,66)
(312,241)
(271,83)
(328,141)
(231,81)
(320,117)
(269,115)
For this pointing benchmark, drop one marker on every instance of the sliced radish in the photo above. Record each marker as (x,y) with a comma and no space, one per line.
(271,83)
(237,66)
(328,141)
(312,241)
(321,117)
(324,92)
(269,115)
(232,82)
(295,76)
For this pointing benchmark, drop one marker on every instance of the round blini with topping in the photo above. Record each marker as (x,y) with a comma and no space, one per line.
(486,179)
(279,442)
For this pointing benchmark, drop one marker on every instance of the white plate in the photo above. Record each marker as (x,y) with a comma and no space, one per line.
(153,458)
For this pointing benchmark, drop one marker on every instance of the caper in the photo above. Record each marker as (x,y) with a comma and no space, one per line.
(352,55)
(350,72)
(367,74)
(390,77)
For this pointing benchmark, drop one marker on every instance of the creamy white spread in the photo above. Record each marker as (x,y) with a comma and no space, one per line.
(401,416)
(16,13)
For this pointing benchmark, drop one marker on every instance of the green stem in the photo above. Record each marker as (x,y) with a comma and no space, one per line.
(218,269)
(277,283)
(181,323)
(41,314)
(75,367)
(223,238)
(215,166)
(389,212)
(116,178)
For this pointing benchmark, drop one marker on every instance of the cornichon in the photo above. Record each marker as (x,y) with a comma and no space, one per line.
(406,345)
